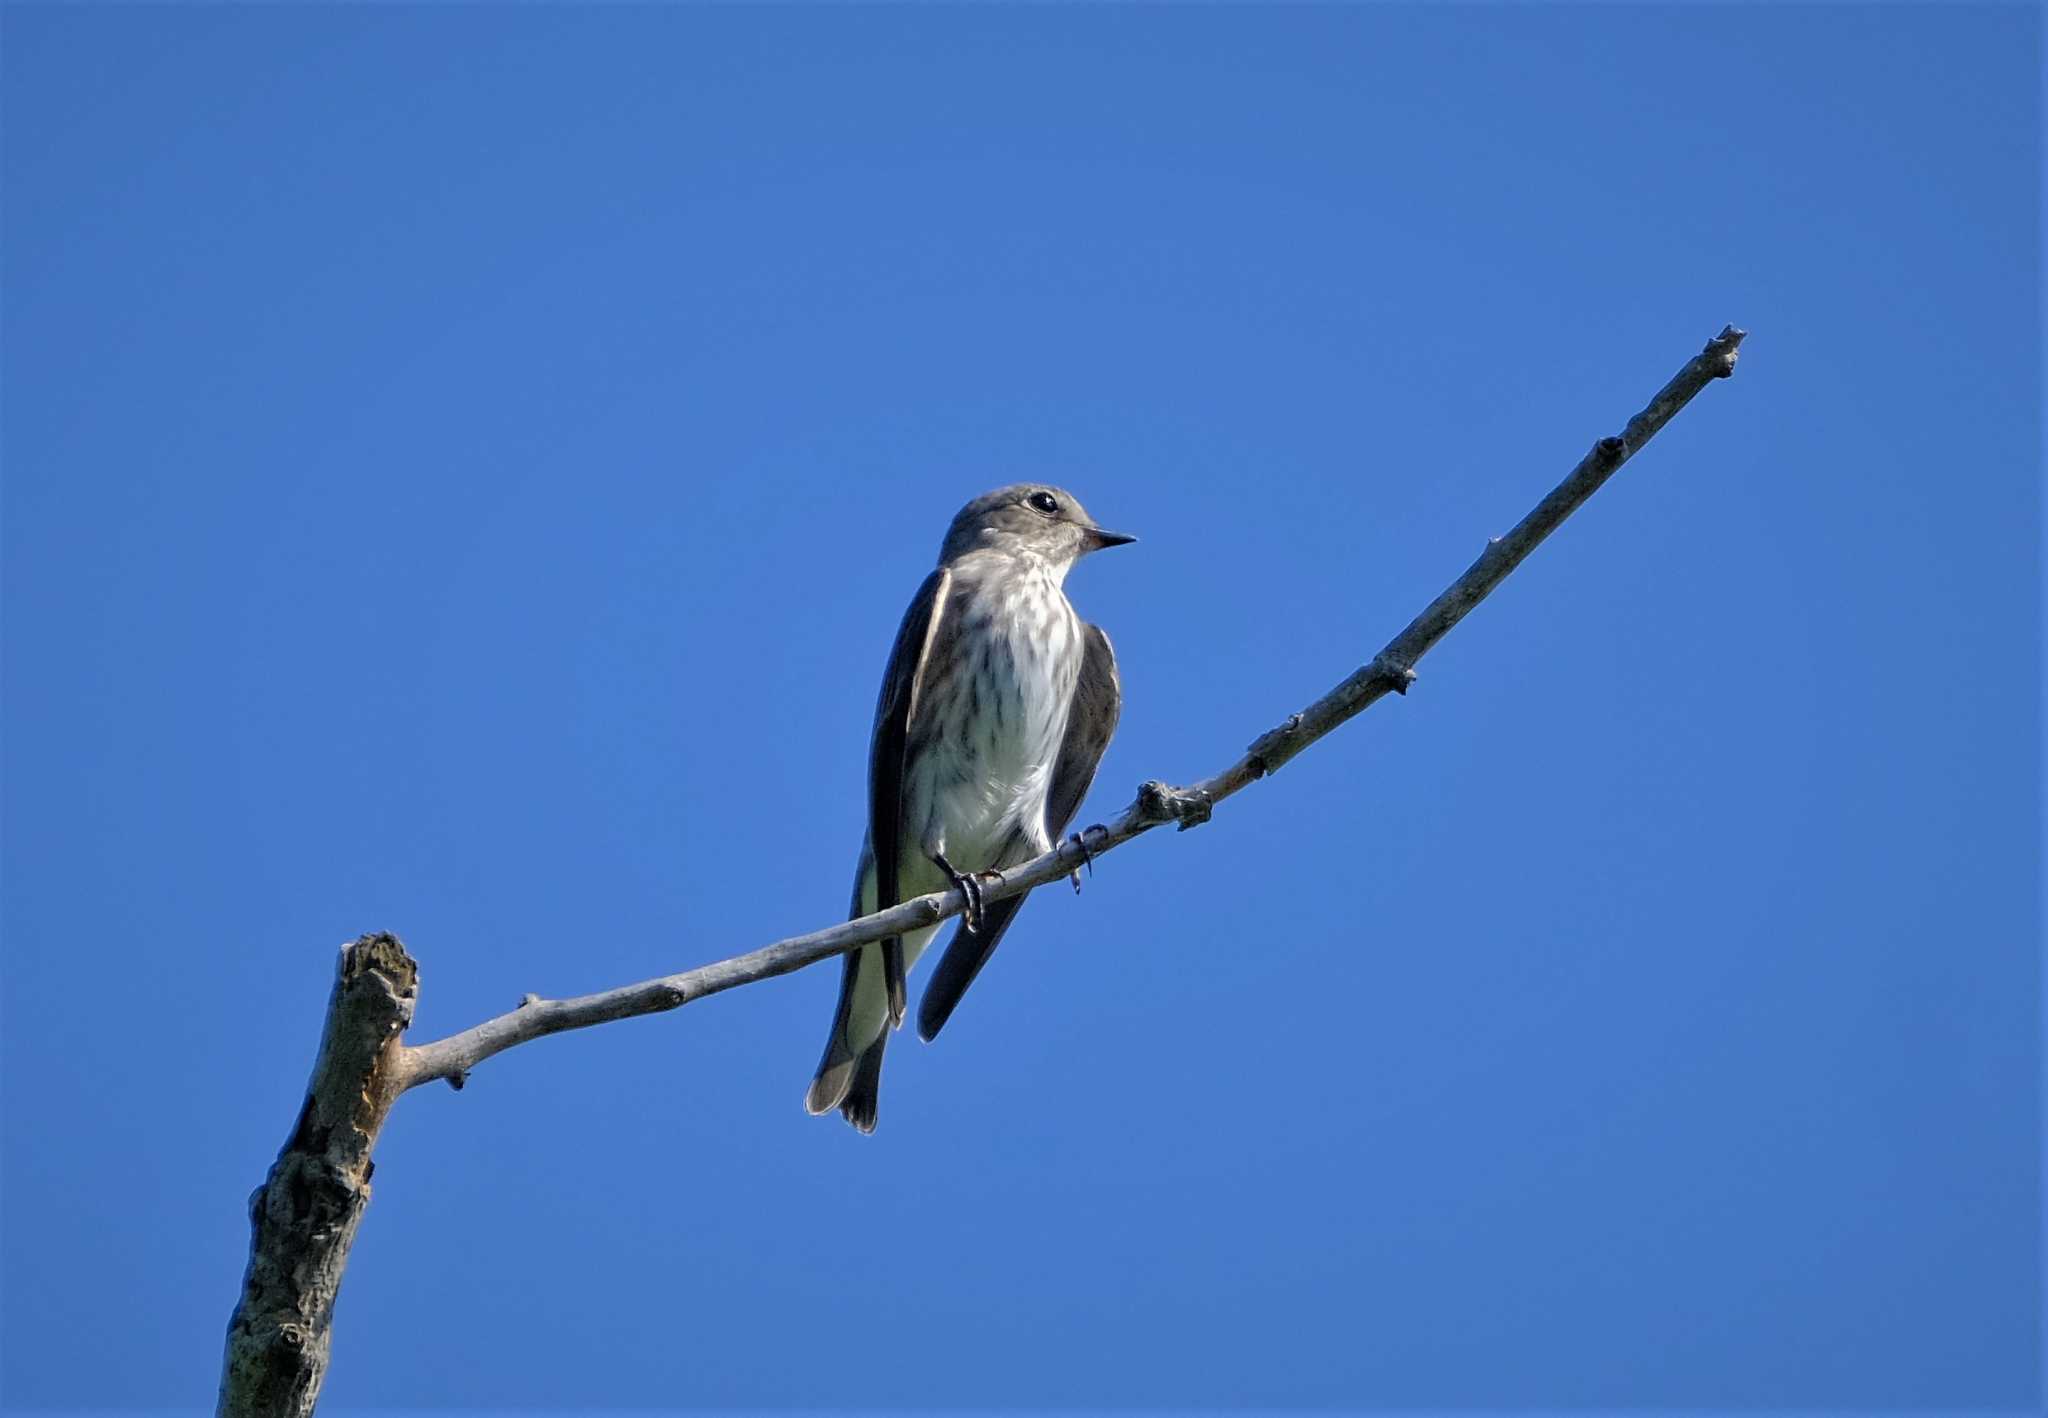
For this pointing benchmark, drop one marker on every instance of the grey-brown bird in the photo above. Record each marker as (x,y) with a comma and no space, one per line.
(995,709)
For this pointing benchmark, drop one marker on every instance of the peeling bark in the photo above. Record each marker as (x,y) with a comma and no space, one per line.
(303,1218)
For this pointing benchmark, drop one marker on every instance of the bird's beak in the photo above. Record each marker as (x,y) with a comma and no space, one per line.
(1097,539)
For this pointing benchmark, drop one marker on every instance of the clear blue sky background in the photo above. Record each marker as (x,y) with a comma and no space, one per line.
(463,471)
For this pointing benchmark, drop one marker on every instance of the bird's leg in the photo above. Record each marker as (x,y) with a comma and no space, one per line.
(1080,839)
(969,888)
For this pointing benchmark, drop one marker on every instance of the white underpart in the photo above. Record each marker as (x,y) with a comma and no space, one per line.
(990,810)
(974,810)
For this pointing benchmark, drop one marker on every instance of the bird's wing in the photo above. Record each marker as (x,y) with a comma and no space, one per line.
(1098,701)
(894,712)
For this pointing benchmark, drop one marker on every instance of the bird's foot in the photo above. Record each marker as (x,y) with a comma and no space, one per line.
(970,887)
(1080,839)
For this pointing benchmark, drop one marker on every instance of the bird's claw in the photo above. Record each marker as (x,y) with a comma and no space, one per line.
(969,884)
(1080,839)
(969,889)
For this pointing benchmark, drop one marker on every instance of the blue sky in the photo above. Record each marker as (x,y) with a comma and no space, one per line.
(463,468)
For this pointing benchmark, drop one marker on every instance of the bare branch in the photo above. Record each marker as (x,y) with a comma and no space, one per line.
(1391,669)
(303,1218)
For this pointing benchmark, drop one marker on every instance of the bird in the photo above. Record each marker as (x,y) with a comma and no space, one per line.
(995,709)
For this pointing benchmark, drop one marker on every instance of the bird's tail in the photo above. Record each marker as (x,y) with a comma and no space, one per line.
(849,1075)
(848,1046)
(853,1086)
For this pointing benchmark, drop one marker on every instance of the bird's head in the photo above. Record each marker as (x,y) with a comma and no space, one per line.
(1028,518)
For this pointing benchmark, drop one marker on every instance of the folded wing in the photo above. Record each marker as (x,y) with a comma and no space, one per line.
(894,711)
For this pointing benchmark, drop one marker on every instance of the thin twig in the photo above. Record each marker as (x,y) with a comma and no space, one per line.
(1392,669)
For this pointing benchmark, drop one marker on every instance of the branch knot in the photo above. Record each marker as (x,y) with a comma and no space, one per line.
(1161,802)
(1278,744)
(1395,672)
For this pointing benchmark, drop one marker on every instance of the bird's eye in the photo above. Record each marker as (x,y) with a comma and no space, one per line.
(1045,502)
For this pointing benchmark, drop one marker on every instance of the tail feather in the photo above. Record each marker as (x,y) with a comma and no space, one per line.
(863,1098)
(871,1003)
(849,1075)
(834,1077)
(852,1083)
(833,1080)
(892,979)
